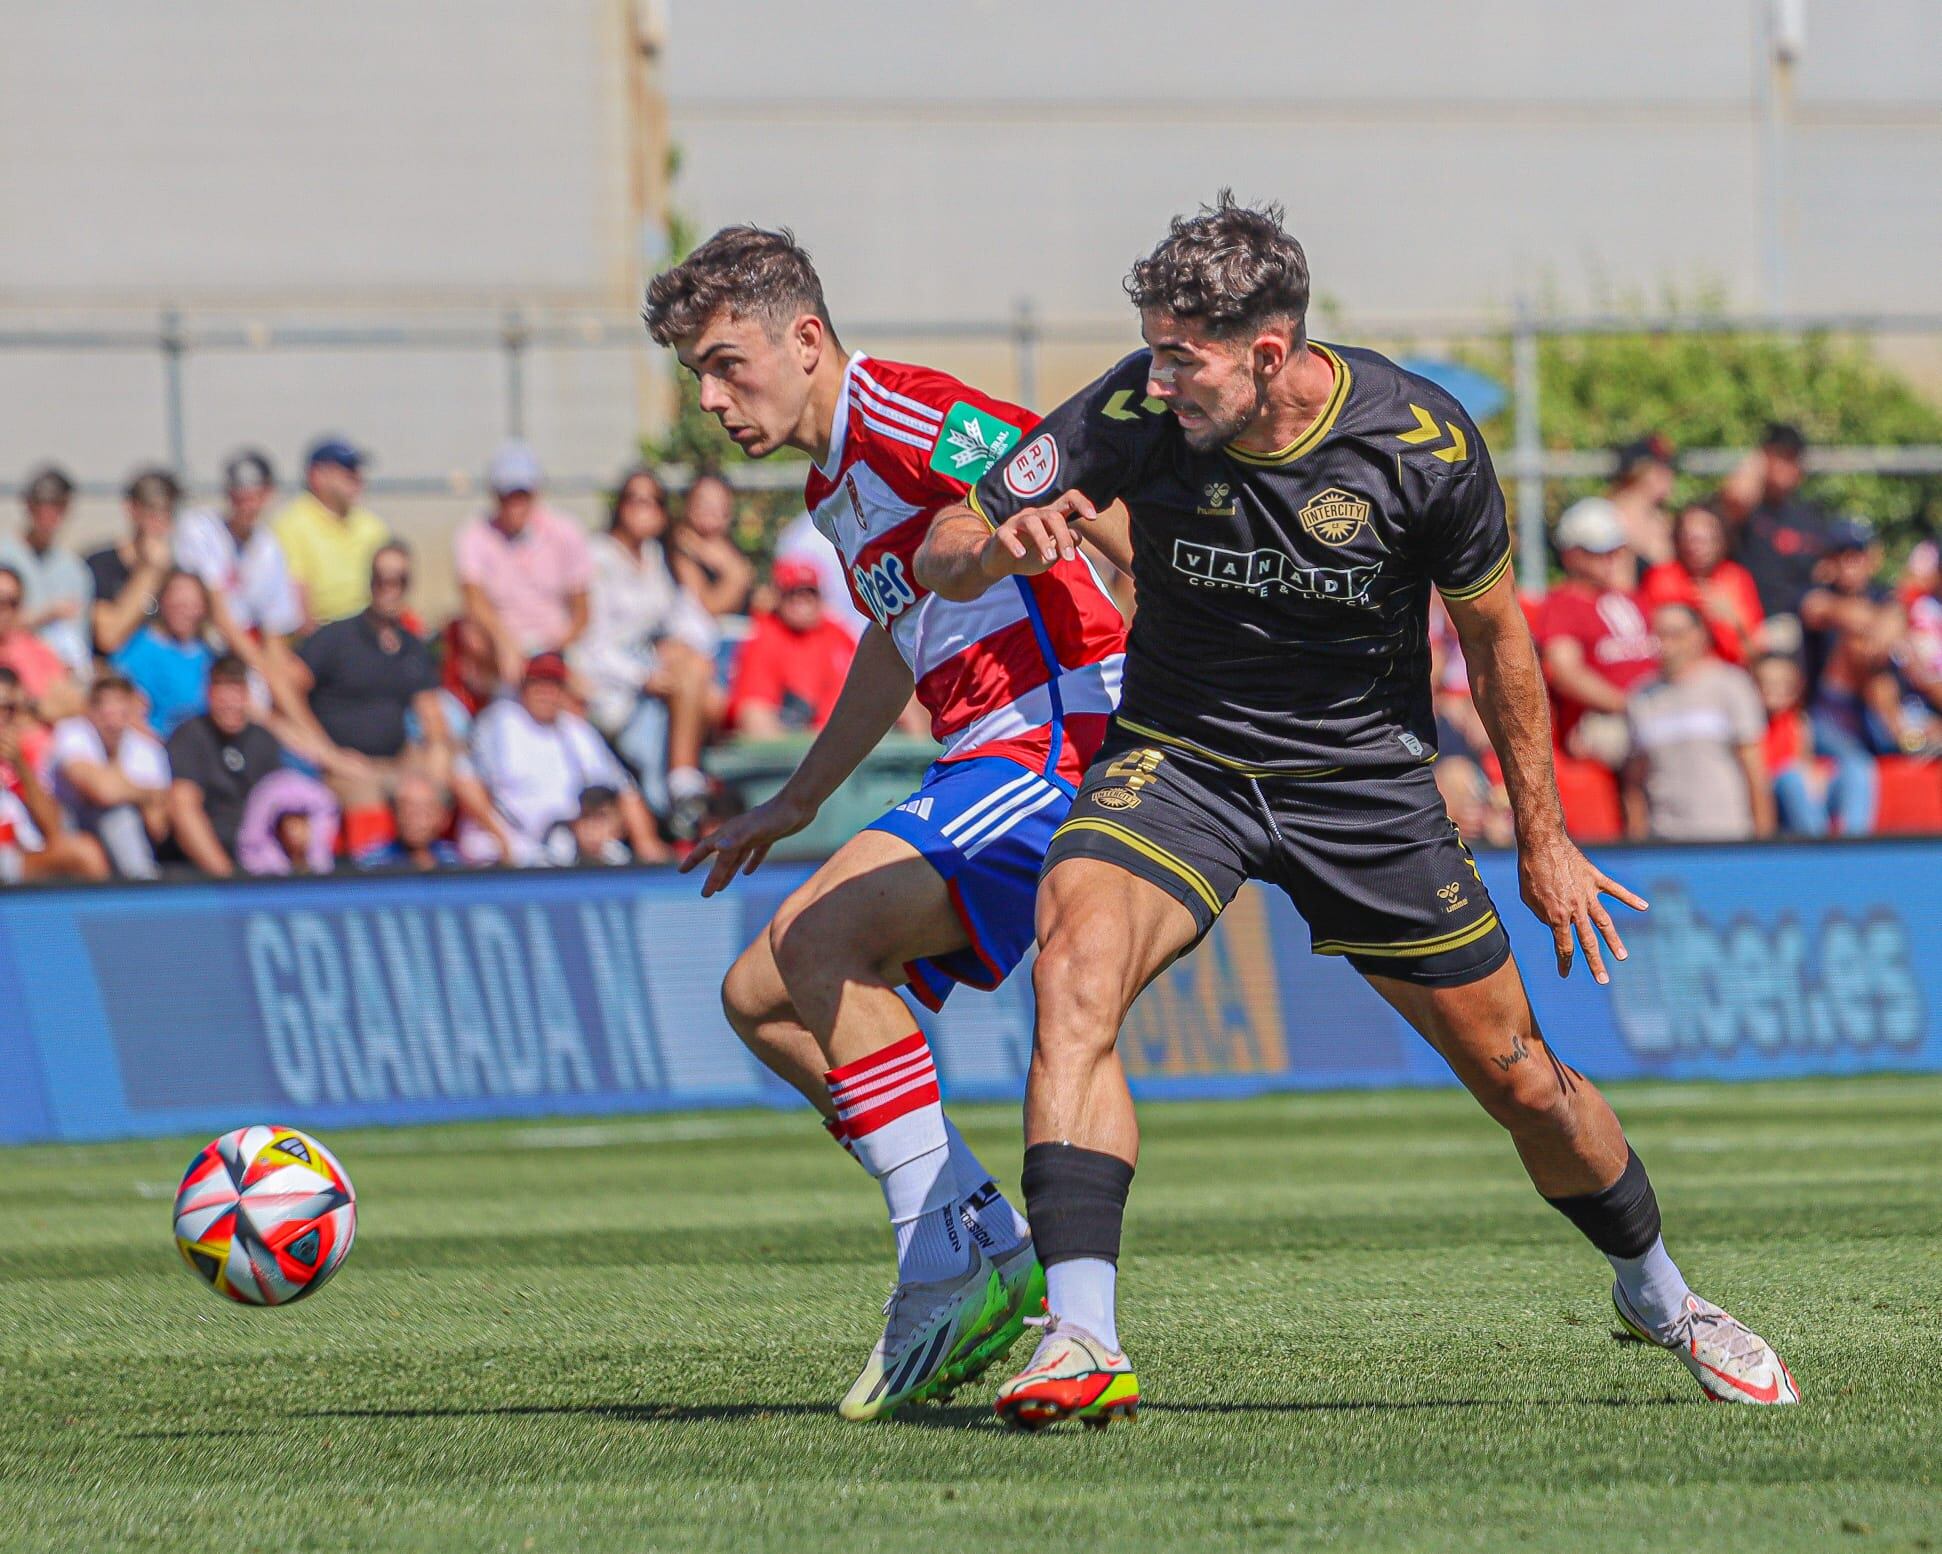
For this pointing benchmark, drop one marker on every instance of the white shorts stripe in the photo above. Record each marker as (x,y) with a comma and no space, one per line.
(996,796)
(1016,816)
(1033,795)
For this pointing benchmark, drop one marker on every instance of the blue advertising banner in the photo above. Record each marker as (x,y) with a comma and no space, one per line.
(160,1009)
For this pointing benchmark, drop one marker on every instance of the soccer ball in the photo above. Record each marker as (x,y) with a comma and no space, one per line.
(265,1215)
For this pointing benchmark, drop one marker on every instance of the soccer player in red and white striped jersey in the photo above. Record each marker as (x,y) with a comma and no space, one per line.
(1019,683)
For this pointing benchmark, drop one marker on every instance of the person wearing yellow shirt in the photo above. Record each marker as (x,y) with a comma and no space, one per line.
(328,539)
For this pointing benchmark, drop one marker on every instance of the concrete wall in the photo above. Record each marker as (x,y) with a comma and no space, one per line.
(432,161)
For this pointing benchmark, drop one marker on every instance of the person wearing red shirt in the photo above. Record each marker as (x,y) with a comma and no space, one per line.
(1593,637)
(1699,575)
(793,665)
(43,675)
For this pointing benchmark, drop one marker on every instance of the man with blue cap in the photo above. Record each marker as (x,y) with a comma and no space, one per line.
(328,537)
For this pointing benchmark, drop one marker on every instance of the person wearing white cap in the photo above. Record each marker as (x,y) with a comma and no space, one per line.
(1593,636)
(523,568)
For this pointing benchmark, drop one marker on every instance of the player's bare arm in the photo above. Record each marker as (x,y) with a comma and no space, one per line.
(874,694)
(1560,884)
(963,555)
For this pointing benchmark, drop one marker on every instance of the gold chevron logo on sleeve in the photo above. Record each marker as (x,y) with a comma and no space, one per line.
(1115,408)
(1427,430)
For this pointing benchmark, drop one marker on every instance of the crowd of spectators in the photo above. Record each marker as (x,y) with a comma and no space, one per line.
(247,687)
(1732,668)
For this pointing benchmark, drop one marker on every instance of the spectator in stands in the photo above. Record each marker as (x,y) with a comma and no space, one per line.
(35,842)
(705,557)
(531,759)
(793,664)
(60,588)
(1700,575)
(1852,628)
(1641,490)
(1809,799)
(239,559)
(128,574)
(216,759)
(111,777)
(469,677)
(48,683)
(328,538)
(523,569)
(421,823)
(1467,770)
(1697,771)
(370,679)
(647,658)
(801,540)
(289,826)
(168,658)
(1779,536)
(1592,635)
(595,837)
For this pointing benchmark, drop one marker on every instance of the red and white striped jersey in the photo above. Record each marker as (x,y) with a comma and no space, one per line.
(1030,669)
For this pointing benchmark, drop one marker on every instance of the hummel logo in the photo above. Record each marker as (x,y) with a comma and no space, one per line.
(1452,896)
(921,808)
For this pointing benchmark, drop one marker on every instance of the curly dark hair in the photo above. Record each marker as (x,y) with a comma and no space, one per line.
(1232,267)
(749,271)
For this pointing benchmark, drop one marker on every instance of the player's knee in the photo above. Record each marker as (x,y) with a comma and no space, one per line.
(811,946)
(1080,996)
(1528,1095)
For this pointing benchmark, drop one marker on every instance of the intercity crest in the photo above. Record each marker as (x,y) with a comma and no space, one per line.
(1334,517)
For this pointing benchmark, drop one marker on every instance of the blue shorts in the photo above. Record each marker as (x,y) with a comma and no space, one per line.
(983,824)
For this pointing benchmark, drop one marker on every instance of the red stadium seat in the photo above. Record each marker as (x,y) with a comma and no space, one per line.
(1911,796)
(1592,811)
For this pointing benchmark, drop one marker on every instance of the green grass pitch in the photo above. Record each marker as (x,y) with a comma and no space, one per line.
(1356,1327)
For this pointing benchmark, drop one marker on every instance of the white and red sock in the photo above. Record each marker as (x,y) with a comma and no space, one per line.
(893,1122)
(994,1224)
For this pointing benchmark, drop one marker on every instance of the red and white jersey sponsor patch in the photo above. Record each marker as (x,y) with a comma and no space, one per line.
(996,672)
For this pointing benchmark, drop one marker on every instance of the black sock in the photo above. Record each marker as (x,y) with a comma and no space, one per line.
(1075,1199)
(1621,1220)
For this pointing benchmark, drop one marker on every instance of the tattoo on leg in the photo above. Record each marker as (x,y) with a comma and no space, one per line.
(1517,1054)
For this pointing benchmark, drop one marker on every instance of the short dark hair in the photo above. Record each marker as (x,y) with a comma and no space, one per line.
(751,271)
(106,683)
(153,488)
(9,675)
(1785,438)
(1232,268)
(50,484)
(230,669)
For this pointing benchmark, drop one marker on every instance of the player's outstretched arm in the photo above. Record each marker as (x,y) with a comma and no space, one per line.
(1561,885)
(963,555)
(875,693)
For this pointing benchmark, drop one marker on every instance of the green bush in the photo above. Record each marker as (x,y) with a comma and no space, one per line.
(1720,390)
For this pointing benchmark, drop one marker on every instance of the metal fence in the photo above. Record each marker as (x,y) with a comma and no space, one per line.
(507,344)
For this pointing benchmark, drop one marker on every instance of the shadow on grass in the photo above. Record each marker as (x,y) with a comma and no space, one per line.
(942,1418)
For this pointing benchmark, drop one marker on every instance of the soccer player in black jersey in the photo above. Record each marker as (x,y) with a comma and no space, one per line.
(1293,504)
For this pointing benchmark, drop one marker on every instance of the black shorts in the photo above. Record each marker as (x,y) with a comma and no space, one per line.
(1370,858)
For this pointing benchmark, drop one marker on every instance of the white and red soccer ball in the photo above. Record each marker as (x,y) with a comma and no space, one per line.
(265,1215)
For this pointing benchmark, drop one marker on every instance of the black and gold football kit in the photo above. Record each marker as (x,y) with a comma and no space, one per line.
(1275,721)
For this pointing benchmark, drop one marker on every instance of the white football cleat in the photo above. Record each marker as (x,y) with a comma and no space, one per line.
(1731,1362)
(926,1326)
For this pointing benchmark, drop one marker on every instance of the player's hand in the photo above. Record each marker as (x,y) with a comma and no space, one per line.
(1034,539)
(742,843)
(1562,886)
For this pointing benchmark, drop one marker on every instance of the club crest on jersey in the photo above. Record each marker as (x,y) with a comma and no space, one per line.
(885,588)
(1033,468)
(1334,517)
